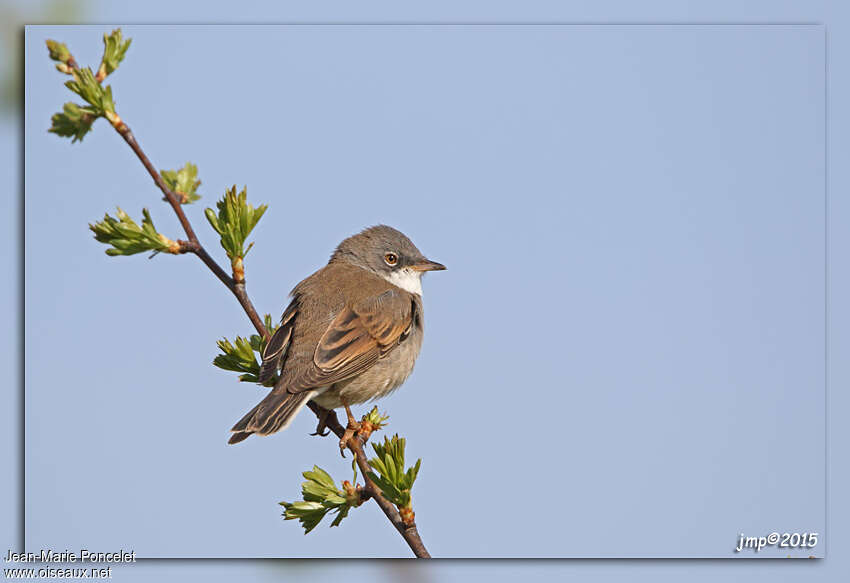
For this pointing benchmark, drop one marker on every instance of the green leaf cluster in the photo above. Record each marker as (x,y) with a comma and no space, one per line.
(96,95)
(114,49)
(395,483)
(128,238)
(74,121)
(375,419)
(235,220)
(320,494)
(320,497)
(183,182)
(238,356)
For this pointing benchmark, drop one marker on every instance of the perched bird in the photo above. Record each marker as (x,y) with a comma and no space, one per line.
(351,333)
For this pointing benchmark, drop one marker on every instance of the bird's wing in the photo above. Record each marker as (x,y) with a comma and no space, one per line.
(357,337)
(275,350)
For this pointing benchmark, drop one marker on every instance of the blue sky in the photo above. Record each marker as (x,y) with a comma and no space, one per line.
(633,308)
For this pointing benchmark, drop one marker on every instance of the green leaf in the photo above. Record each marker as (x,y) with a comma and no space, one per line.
(239,355)
(126,237)
(376,419)
(313,492)
(390,490)
(341,513)
(183,182)
(309,514)
(74,121)
(114,49)
(321,477)
(235,220)
(97,96)
(390,476)
(320,496)
(411,474)
(270,326)
(389,463)
(259,342)
(86,86)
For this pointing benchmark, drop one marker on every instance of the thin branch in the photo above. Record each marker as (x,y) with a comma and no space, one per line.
(172,197)
(355,444)
(242,296)
(193,244)
(408,531)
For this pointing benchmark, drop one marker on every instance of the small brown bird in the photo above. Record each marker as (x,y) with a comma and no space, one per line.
(351,333)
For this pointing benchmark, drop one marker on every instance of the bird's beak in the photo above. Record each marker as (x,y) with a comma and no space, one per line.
(427,265)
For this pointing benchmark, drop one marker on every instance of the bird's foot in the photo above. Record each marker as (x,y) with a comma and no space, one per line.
(322,428)
(350,431)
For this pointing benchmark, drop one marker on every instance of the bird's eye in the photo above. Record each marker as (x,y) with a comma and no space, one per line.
(391,259)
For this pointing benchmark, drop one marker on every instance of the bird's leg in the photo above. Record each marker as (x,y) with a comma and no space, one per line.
(322,428)
(351,429)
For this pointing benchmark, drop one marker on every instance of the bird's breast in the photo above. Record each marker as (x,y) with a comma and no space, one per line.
(380,379)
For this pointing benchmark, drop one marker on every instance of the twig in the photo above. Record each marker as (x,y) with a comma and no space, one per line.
(355,444)
(193,245)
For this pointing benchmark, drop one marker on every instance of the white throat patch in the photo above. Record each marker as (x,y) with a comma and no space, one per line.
(407,279)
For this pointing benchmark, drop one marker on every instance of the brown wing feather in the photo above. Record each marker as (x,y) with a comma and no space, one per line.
(275,350)
(358,337)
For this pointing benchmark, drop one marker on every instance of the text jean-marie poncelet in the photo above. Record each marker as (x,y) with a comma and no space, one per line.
(66,556)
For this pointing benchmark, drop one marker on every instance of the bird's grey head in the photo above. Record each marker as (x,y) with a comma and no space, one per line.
(388,253)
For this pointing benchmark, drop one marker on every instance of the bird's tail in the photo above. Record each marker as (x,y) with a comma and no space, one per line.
(273,413)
